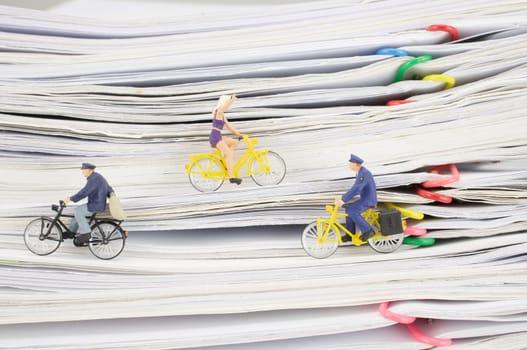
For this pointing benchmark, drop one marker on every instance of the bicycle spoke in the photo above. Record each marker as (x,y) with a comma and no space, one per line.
(42,237)
(206,180)
(314,245)
(386,244)
(102,245)
(267,168)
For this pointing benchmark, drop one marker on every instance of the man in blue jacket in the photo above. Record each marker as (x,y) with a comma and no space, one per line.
(97,190)
(364,186)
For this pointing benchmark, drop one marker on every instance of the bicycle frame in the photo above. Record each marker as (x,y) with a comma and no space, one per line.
(370,215)
(249,153)
(57,220)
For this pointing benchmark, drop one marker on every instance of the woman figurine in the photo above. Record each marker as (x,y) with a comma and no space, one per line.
(224,144)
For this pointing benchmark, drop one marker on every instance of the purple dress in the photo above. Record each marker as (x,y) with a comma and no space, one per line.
(215,133)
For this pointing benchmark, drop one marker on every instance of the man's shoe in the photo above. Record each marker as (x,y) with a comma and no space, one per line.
(366,235)
(345,240)
(235,180)
(68,235)
(82,239)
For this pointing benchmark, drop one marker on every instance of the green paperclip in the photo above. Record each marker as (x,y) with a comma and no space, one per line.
(410,63)
(419,241)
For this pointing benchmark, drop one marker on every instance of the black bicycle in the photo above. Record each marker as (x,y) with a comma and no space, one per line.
(44,235)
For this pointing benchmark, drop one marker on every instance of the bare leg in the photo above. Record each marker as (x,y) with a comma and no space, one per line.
(227,146)
(227,154)
(232,143)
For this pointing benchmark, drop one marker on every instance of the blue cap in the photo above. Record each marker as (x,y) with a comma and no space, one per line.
(355,159)
(87,166)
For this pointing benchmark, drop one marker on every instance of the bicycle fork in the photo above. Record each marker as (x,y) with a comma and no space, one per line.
(43,235)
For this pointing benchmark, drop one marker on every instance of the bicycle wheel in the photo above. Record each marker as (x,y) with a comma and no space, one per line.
(107,240)
(267,168)
(312,240)
(207,174)
(35,236)
(386,244)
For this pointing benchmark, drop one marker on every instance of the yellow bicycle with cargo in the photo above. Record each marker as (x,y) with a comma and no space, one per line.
(322,237)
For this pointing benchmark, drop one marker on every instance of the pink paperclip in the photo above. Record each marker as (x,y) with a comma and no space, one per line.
(442,182)
(383,310)
(415,231)
(428,339)
(409,322)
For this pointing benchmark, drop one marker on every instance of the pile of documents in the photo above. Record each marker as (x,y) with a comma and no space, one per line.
(414,88)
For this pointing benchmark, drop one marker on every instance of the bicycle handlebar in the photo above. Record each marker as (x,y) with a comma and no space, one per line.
(333,209)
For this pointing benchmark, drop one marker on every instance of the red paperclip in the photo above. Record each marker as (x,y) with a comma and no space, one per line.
(433,195)
(397,102)
(442,182)
(454,34)
(409,322)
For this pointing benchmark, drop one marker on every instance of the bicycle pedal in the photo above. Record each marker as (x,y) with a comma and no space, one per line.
(235,180)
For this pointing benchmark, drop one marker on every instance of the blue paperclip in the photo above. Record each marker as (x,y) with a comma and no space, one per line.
(391,51)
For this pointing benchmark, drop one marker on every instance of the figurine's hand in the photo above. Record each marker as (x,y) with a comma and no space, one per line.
(67,200)
(338,202)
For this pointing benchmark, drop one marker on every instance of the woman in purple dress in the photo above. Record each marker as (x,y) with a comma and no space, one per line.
(224,144)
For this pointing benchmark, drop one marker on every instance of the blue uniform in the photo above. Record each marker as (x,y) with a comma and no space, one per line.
(364,186)
(97,190)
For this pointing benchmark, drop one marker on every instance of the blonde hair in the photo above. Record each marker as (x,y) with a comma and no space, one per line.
(223,100)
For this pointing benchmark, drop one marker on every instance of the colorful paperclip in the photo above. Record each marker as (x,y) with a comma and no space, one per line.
(454,177)
(397,102)
(409,322)
(433,195)
(449,81)
(419,241)
(410,63)
(454,33)
(391,51)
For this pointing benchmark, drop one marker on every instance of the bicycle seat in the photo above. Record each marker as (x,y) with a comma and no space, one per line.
(92,216)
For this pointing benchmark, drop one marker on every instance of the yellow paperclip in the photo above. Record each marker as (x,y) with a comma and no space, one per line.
(449,81)
(411,214)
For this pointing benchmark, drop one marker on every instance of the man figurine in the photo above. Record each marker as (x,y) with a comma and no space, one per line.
(364,186)
(97,190)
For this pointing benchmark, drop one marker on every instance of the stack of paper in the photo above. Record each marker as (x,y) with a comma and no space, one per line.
(226,270)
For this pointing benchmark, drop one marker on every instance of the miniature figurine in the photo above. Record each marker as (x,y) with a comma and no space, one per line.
(224,144)
(97,190)
(364,186)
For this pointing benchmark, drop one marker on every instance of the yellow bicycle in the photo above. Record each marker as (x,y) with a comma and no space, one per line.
(322,237)
(207,171)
